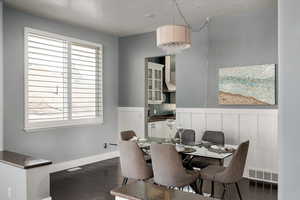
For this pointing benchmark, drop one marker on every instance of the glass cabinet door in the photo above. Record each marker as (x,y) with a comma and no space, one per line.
(157,74)
(150,86)
(150,96)
(149,73)
(155,84)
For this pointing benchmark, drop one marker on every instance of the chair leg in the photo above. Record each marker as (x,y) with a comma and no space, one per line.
(212,189)
(194,186)
(124,181)
(201,187)
(224,191)
(238,190)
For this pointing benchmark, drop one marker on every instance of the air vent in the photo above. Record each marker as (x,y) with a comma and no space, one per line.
(275,177)
(259,174)
(267,176)
(263,175)
(252,173)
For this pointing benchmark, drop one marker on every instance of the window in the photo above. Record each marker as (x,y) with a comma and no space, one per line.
(63,81)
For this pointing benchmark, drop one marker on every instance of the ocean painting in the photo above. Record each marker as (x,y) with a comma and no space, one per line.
(248,85)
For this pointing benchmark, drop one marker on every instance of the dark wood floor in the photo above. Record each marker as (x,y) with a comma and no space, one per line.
(95,181)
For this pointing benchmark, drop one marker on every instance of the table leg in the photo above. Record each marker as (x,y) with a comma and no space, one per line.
(221,162)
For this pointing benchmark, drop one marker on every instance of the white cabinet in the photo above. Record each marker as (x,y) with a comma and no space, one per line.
(155,129)
(160,129)
(155,83)
(24,184)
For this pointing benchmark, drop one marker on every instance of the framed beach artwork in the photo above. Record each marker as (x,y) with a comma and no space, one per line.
(248,85)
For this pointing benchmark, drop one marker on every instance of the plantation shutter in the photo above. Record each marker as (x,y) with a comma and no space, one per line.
(86,81)
(63,81)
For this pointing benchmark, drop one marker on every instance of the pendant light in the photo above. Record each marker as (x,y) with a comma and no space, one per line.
(175,38)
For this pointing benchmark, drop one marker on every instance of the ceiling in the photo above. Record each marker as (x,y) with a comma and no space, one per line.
(128,17)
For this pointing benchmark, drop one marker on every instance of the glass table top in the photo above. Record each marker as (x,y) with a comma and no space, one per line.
(201,149)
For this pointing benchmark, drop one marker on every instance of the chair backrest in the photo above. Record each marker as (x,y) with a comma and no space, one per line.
(188,135)
(133,164)
(127,135)
(166,163)
(215,137)
(235,170)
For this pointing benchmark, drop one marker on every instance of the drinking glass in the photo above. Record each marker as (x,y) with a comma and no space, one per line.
(180,131)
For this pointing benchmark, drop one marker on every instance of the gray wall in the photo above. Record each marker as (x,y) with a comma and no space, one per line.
(289,99)
(191,69)
(1,75)
(247,38)
(242,39)
(60,144)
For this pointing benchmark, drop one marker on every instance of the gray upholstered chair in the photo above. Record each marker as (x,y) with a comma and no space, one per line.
(188,135)
(133,164)
(214,137)
(127,135)
(228,175)
(168,169)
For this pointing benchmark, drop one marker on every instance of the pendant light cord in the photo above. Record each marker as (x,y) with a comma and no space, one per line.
(205,23)
(180,13)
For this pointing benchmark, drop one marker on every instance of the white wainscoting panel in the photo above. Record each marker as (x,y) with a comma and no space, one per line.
(230,126)
(257,125)
(260,126)
(198,124)
(185,120)
(248,131)
(132,118)
(213,121)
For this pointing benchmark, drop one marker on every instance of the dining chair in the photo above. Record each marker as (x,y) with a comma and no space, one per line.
(227,175)
(127,135)
(187,135)
(133,163)
(215,138)
(168,169)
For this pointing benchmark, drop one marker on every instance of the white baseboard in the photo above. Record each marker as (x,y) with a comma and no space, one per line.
(83,161)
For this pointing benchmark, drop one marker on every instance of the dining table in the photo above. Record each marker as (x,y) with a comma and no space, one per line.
(140,190)
(191,150)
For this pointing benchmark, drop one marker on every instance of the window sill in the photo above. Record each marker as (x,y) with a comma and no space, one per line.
(55,125)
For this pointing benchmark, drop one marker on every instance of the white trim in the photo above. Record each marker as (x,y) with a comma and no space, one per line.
(156,66)
(227,110)
(26,32)
(34,127)
(131,109)
(211,110)
(83,161)
(67,123)
(63,37)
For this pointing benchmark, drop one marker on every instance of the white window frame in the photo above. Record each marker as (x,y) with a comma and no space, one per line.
(31,127)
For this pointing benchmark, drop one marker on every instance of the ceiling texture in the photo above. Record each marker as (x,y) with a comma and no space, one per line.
(129,17)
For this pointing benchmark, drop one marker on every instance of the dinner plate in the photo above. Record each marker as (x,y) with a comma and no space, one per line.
(189,150)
